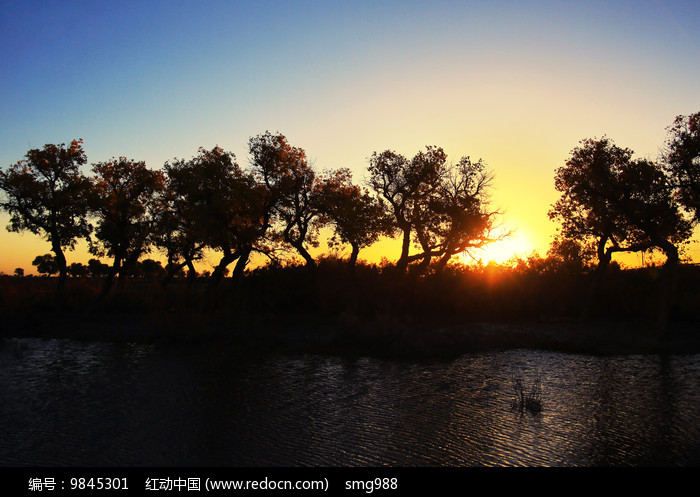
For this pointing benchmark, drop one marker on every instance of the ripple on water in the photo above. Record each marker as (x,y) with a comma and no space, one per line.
(74,403)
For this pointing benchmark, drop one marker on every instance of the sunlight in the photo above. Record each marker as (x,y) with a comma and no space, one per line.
(518,244)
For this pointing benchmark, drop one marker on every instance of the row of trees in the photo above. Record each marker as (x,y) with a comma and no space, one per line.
(46,265)
(277,204)
(610,202)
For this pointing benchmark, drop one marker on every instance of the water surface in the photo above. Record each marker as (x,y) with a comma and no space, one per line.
(72,403)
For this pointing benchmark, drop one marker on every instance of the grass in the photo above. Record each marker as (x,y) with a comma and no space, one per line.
(527,400)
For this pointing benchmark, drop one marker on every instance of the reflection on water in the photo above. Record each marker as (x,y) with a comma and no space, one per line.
(71,403)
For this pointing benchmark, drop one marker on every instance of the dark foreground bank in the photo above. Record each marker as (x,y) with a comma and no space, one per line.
(374,311)
(384,336)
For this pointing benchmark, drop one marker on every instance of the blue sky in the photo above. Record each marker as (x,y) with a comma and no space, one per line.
(515,83)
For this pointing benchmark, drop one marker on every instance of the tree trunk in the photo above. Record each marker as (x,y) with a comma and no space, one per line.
(172,271)
(62,274)
(109,280)
(218,275)
(310,262)
(123,273)
(604,256)
(232,292)
(240,265)
(402,263)
(424,264)
(442,263)
(353,256)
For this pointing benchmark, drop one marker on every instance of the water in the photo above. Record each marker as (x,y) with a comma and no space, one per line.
(71,403)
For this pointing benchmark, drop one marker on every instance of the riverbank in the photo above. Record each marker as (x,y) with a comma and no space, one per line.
(373,311)
(383,336)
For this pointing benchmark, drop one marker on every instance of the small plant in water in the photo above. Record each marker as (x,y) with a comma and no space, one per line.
(525,400)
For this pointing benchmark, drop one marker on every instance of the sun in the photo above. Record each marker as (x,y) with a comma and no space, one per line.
(516,245)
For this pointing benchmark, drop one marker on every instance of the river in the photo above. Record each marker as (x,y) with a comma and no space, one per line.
(79,403)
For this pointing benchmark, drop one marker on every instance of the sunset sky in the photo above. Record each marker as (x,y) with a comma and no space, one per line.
(517,84)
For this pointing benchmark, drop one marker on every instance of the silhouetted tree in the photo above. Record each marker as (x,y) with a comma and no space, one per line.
(458,218)
(589,186)
(19,272)
(406,185)
(124,193)
(291,191)
(46,264)
(46,194)
(617,203)
(223,206)
(357,218)
(78,269)
(176,229)
(442,208)
(570,255)
(682,161)
(150,268)
(652,212)
(97,269)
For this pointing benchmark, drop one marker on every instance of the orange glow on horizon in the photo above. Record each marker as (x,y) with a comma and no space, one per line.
(518,244)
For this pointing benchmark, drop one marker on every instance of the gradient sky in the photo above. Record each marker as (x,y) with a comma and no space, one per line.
(517,84)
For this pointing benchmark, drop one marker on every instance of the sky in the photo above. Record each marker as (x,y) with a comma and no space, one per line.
(517,84)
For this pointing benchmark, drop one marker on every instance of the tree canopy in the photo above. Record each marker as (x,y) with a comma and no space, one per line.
(123,197)
(682,161)
(220,204)
(356,217)
(609,202)
(442,208)
(617,203)
(47,194)
(291,191)
(45,264)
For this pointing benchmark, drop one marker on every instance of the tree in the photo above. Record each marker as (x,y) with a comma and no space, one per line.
(46,264)
(357,218)
(682,161)
(617,203)
(97,269)
(19,272)
(47,194)
(291,191)
(406,186)
(150,268)
(124,193)
(223,205)
(78,269)
(441,207)
(458,218)
(176,230)
(570,256)
(651,211)
(589,183)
